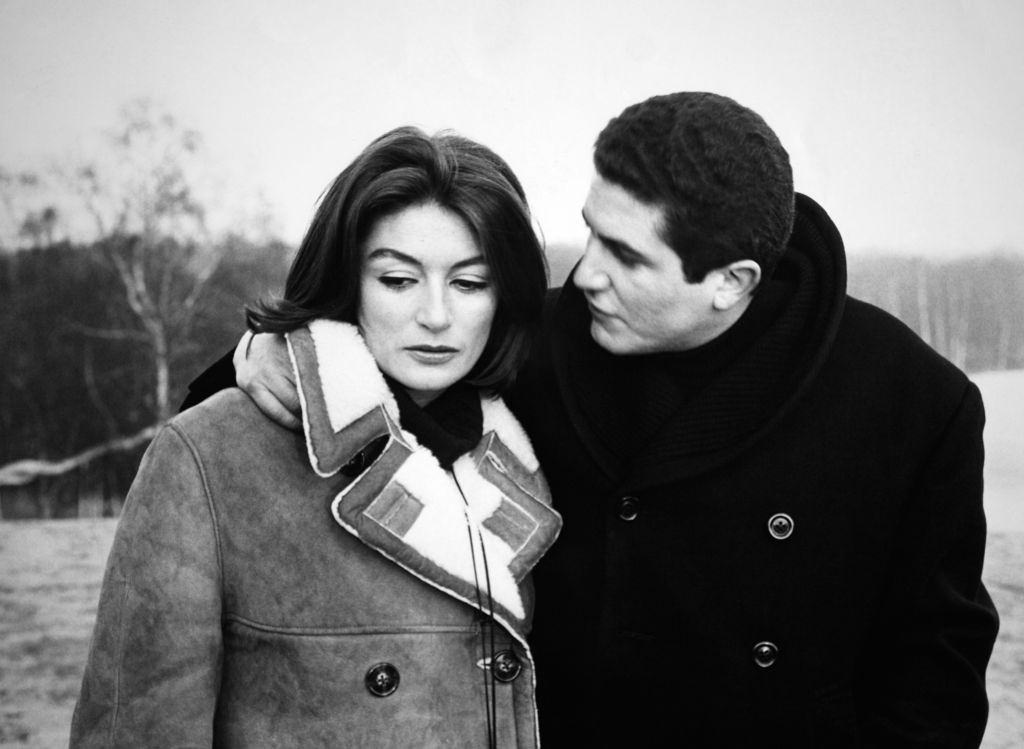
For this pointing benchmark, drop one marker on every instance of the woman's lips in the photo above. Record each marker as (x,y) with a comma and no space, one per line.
(432,354)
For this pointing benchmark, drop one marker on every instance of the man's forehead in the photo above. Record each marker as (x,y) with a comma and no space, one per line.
(613,210)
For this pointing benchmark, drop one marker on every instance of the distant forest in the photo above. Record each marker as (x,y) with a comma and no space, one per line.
(100,336)
(87,357)
(970,310)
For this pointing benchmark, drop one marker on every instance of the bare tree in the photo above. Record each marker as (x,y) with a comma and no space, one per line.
(924,321)
(143,202)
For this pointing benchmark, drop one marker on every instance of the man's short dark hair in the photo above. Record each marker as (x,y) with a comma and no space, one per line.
(403,168)
(714,167)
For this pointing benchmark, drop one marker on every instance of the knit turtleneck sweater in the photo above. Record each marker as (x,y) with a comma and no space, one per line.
(663,384)
(642,418)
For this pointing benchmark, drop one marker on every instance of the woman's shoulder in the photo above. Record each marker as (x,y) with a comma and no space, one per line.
(230,424)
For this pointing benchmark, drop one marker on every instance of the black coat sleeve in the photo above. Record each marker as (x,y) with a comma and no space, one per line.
(218,376)
(926,678)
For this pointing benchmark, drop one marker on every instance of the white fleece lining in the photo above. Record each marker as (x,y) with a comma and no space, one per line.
(352,385)
(351,382)
(440,531)
(498,419)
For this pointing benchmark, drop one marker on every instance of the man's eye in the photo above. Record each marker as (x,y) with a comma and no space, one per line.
(466,284)
(626,259)
(396,282)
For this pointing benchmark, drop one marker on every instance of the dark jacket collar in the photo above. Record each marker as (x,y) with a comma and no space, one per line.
(742,403)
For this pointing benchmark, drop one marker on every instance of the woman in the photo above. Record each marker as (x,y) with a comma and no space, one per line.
(366,585)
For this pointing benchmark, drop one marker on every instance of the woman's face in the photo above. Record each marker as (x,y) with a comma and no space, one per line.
(426,299)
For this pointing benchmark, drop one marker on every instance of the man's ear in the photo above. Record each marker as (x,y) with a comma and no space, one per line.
(737,284)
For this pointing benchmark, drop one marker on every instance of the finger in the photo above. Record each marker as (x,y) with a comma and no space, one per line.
(285,391)
(242,350)
(273,408)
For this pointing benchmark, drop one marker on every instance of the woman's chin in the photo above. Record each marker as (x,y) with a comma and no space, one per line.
(424,389)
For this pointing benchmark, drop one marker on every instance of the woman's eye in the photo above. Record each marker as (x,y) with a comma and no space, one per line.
(396,282)
(467,284)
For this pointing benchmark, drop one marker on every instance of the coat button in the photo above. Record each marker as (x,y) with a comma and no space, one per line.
(381,679)
(765,653)
(506,666)
(780,525)
(629,508)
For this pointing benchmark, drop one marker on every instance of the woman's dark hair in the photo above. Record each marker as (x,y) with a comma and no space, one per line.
(402,168)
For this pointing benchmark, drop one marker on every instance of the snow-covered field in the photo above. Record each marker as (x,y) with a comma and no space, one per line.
(52,571)
(1003,393)
(50,575)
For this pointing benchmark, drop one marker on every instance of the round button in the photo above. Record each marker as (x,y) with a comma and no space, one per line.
(780,525)
(629,508)
(765,653)
(381,679)
(506,666)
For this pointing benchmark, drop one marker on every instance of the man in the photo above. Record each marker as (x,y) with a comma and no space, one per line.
(773,526)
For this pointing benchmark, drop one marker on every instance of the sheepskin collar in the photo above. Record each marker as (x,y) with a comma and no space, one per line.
(474,531)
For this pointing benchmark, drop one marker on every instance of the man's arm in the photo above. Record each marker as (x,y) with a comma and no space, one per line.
(261,367)
(218,376)
(925,685)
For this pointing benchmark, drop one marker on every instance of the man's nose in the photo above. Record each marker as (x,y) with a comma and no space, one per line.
(434,312)
(589,275)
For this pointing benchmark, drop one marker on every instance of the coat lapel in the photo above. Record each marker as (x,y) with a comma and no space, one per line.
(474,532)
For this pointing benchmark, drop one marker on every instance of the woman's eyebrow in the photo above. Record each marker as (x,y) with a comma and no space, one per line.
(475,260)
(387,252)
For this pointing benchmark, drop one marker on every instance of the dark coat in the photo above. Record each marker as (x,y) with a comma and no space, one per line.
(793,561)
(265,590)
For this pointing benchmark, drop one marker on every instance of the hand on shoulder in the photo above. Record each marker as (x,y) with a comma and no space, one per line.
(264,371)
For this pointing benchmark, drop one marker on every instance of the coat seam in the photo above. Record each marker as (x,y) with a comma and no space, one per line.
(354,630)
(197,460)
(120,660)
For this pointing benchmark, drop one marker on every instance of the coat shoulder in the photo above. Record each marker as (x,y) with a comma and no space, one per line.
(227,423)
(889,366)
(884,345)
(245,458)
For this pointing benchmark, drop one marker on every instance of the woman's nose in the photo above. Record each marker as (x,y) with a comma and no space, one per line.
(433,312)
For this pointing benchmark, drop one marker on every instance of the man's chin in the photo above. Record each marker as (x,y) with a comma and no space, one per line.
(611,343)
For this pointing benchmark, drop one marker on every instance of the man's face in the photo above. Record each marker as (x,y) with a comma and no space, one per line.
(640,302)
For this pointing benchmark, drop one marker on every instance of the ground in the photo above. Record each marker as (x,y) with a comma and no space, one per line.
(52,572)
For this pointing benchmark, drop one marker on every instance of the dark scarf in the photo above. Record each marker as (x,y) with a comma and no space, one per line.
(647,419)
(449,426)
(663,384)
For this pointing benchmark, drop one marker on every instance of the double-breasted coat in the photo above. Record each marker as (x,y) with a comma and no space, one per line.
(273,589)
(794,560)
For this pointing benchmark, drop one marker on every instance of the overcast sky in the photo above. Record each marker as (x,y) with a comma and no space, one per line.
(903,119)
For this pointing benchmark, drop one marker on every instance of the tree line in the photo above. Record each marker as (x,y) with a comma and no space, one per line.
(102,329)
(89,356)
(970,310)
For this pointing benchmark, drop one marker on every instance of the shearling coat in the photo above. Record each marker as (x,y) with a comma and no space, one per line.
(793,561)
(256,595)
